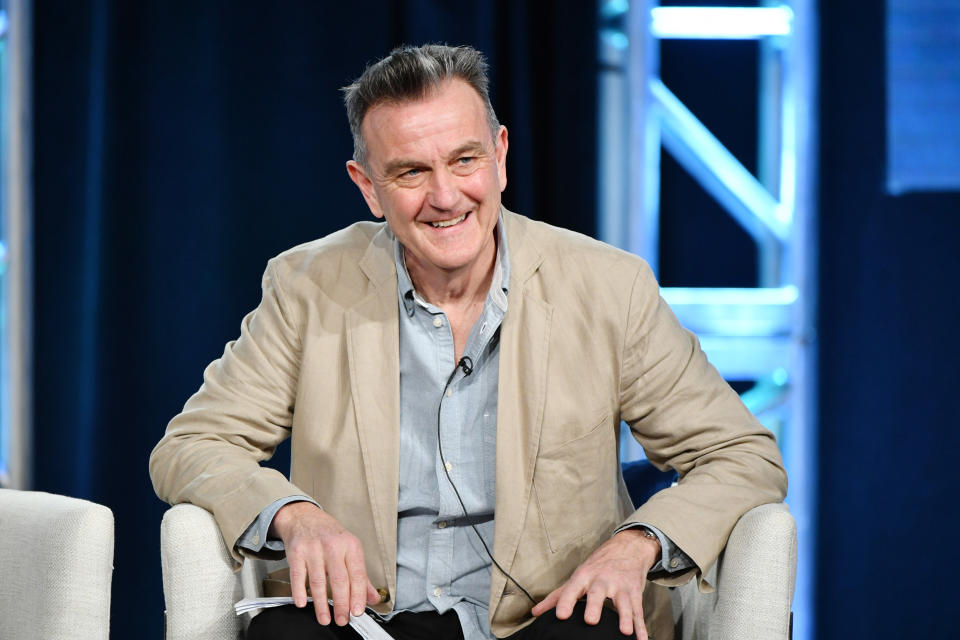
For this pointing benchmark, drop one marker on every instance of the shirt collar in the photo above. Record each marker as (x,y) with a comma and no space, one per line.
(498,284)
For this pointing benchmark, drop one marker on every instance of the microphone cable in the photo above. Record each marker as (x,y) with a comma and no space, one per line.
(466,364)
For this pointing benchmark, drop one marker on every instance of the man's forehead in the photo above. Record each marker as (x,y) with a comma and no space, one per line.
(452,115)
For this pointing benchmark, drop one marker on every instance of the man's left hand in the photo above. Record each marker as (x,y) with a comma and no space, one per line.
(616,570)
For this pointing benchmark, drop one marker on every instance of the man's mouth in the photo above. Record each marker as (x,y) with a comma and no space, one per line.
(442,224)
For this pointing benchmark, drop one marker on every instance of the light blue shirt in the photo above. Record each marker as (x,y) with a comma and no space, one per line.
(441,563)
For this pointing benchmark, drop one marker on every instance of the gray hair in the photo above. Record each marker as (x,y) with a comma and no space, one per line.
(411,73)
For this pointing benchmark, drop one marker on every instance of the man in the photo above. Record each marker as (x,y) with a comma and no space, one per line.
(453,382)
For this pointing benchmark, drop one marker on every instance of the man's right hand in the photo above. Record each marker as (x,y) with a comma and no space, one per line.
(320,550)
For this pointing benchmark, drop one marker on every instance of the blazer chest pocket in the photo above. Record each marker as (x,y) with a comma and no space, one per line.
(575,487)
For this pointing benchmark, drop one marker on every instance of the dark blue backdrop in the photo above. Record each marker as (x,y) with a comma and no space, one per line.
(889,314)
(179,145)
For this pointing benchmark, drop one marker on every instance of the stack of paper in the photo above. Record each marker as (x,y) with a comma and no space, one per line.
(362,624)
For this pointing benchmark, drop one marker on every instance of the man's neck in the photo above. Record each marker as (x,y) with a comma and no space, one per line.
(455,288)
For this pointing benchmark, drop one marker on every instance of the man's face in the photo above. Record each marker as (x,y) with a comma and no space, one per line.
(435,174)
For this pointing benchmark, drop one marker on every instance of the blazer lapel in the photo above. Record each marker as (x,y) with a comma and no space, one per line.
(374,361)
(524,340)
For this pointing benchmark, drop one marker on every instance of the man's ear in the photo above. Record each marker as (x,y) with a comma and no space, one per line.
(360,178)
(501,155)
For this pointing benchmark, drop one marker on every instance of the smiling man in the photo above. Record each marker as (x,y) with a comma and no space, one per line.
(454,382)
(434,169)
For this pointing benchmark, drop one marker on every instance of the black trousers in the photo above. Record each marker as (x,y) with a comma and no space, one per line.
(290,623)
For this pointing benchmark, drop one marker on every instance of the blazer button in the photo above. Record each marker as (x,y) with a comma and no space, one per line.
(384,594)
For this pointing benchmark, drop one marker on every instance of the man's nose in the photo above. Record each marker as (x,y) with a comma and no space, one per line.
(443,190)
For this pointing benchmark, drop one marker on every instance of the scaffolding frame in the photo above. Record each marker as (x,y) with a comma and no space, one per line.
(16,246)
(764,334)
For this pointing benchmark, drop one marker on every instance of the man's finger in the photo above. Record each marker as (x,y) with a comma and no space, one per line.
(624,607)
(373,596)
(638,622)
(298,581)
(569,594)
(547,603)
(318,589)
(640,626)
(358,583)
(594,608)
(339,591)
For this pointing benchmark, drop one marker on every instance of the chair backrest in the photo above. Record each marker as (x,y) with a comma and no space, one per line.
(57,567)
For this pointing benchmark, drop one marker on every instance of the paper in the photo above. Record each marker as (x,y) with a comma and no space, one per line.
(363,624)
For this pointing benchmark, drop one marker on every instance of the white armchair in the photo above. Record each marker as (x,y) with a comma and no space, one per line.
(56,563)
(754,578)
(199,585)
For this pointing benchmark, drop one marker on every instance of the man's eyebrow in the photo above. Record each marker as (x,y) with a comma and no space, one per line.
(401,164)
(473,146)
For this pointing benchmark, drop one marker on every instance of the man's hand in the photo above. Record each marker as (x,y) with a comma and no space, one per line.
(616,570)
(320,549)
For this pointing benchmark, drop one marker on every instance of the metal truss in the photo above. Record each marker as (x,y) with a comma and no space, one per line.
(5,429)
(763,334)
(15,244)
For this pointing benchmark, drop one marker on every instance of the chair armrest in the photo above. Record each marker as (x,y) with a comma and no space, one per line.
(199,584)
(754,578)
(757,574)
(57,560)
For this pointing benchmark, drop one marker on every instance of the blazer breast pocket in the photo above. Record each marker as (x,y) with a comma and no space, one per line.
(575,484)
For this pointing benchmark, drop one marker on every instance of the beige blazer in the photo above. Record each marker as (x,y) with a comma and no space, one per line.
(586,342)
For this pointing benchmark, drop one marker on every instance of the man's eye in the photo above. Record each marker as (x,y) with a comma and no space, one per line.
(465,160)
(411,173)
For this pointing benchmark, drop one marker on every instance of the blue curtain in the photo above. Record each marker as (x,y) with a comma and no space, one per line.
(178,146)
(888,351)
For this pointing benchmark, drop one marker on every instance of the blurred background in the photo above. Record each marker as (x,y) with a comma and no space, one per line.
(790,169)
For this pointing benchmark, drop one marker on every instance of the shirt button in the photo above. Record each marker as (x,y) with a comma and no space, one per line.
(674,562)
(442,524)
(449,392)
(438,322)
(256,538)
(448,467)
(437,591)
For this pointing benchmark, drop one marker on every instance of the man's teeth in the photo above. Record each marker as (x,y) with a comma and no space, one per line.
(440,224)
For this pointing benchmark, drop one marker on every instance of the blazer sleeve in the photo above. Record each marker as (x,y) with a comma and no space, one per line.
(687,418)
(210,453)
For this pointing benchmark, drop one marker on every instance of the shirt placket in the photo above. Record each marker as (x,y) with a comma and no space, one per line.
(450,575)
(440,560)
(447,534)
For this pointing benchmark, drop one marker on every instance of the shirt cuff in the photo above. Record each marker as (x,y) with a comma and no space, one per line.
(672,557)
(255,537)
